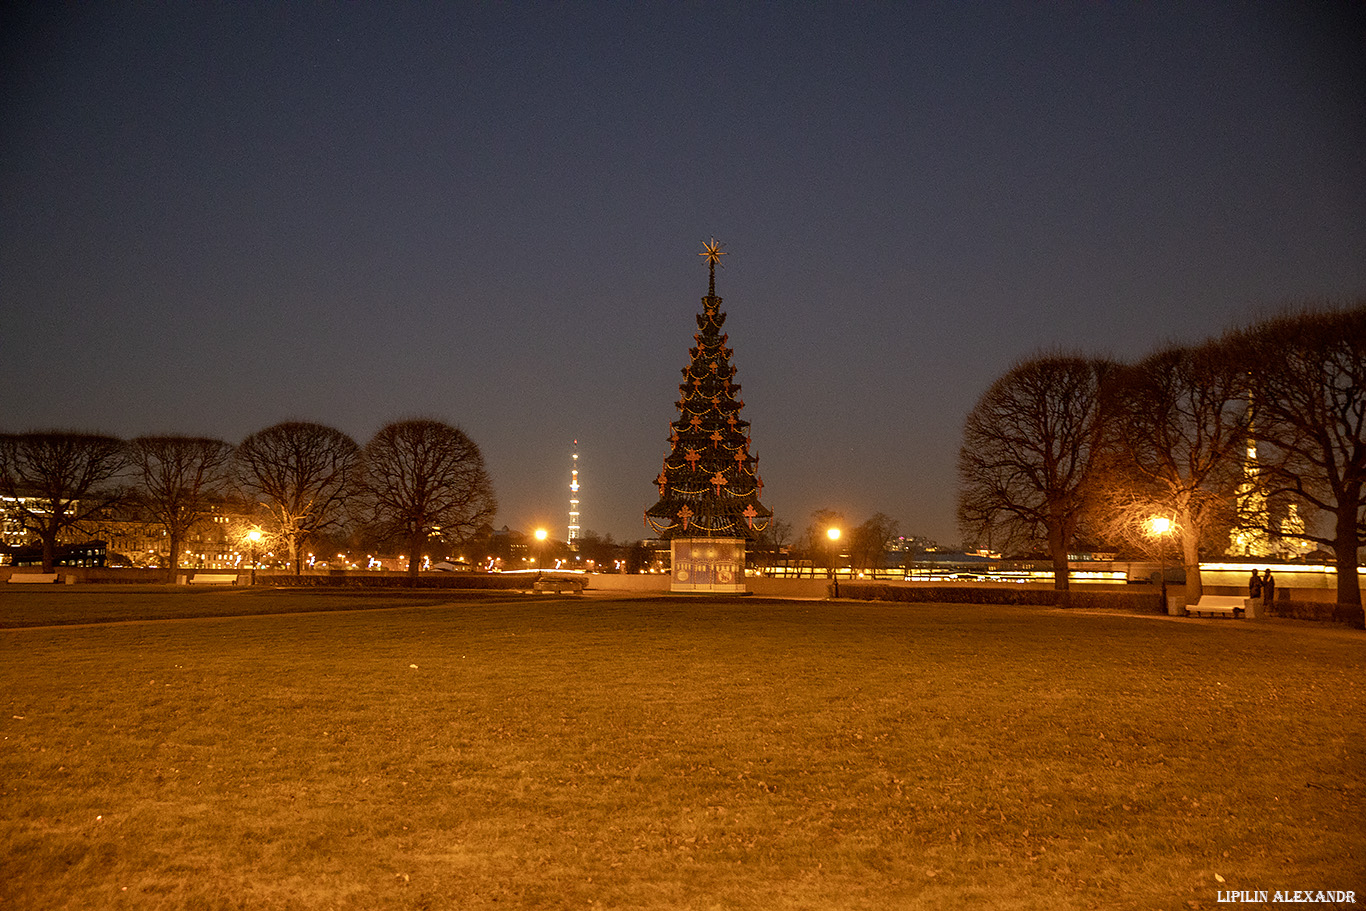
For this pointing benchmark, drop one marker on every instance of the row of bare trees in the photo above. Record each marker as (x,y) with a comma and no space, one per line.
(1064,448)
(415,480)
(865,544)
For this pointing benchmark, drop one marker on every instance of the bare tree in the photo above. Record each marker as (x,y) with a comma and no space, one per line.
(425,479)
(1308,375)
(868,542)
(1025,465)
(600,551)
(180,478)
(1174,449)
(302,473)
(816,542)
(770,542)
(57,480)
(778,533)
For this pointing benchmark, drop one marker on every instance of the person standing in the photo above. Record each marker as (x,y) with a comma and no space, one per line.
(1268,589)
(1254,586)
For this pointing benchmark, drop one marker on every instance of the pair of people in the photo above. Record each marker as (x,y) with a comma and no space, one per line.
(1263,587)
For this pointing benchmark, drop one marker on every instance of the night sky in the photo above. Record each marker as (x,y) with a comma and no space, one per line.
(214,217)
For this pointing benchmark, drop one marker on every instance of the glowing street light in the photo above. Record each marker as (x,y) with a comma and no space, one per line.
(253,540)
(540,546)
(834,535)
(1159,527)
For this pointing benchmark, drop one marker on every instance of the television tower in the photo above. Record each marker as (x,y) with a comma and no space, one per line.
(574,498)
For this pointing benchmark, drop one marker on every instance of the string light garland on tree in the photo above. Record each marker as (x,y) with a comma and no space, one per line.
(709,485)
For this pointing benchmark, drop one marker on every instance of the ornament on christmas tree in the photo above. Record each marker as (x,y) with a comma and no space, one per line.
(710,485)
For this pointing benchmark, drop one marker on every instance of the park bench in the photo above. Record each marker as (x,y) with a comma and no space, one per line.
(213,579)
(35,577)
(551,584)
(1221,605)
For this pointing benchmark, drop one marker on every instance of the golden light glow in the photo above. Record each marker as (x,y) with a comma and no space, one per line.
(833,534)
(1159,525)
(254,536)
(540,534)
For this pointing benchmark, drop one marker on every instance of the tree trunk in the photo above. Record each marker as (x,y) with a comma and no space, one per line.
(173,560)
(1190,561)
(49,551)
(1062,573)
(415,545)
(1345,549)
(1057,549)
(1062,580)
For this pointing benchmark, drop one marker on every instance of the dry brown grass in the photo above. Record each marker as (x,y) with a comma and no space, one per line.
(656,754)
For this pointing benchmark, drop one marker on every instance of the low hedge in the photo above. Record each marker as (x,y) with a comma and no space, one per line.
(1321,611)
(948,594)
(1132,602)
(119,574)
(482,581)
(920,594)
(96,574)
(1136,602)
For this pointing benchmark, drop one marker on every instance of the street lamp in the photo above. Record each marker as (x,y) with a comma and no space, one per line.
(540,547)
(1158,527)
(834,535)
(253,538)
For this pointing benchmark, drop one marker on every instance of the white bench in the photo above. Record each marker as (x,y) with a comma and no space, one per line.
(1220,605)
(35,577)
(214,579)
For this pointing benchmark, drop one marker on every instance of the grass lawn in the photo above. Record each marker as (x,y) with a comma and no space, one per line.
(505,752)
(59,605)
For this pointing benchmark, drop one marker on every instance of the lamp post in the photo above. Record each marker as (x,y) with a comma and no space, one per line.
(1159,526)
(540,548)
(253,539)
(834,535)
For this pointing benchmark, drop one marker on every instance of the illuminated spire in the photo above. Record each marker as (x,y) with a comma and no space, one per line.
(1249,536)
(574,497)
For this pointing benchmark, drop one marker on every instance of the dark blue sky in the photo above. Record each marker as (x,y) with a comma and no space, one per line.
(217,216)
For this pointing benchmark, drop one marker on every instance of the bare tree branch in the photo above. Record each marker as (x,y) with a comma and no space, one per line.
(1308,375)
(57,480)
(1026,460)
(426,479)
(1173,448)
(302,473)
(180,478)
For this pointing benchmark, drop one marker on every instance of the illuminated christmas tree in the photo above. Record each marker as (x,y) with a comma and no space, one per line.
(709,485)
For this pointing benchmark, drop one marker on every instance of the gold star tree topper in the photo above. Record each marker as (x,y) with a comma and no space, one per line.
(712,251)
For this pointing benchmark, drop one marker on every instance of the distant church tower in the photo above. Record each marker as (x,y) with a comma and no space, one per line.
(574,499)
(1249,537)
(709,486)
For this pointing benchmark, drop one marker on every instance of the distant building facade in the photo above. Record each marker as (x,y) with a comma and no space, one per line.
(129,536)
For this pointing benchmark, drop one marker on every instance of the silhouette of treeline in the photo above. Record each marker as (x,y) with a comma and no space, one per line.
(1224,440)
(414,481)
